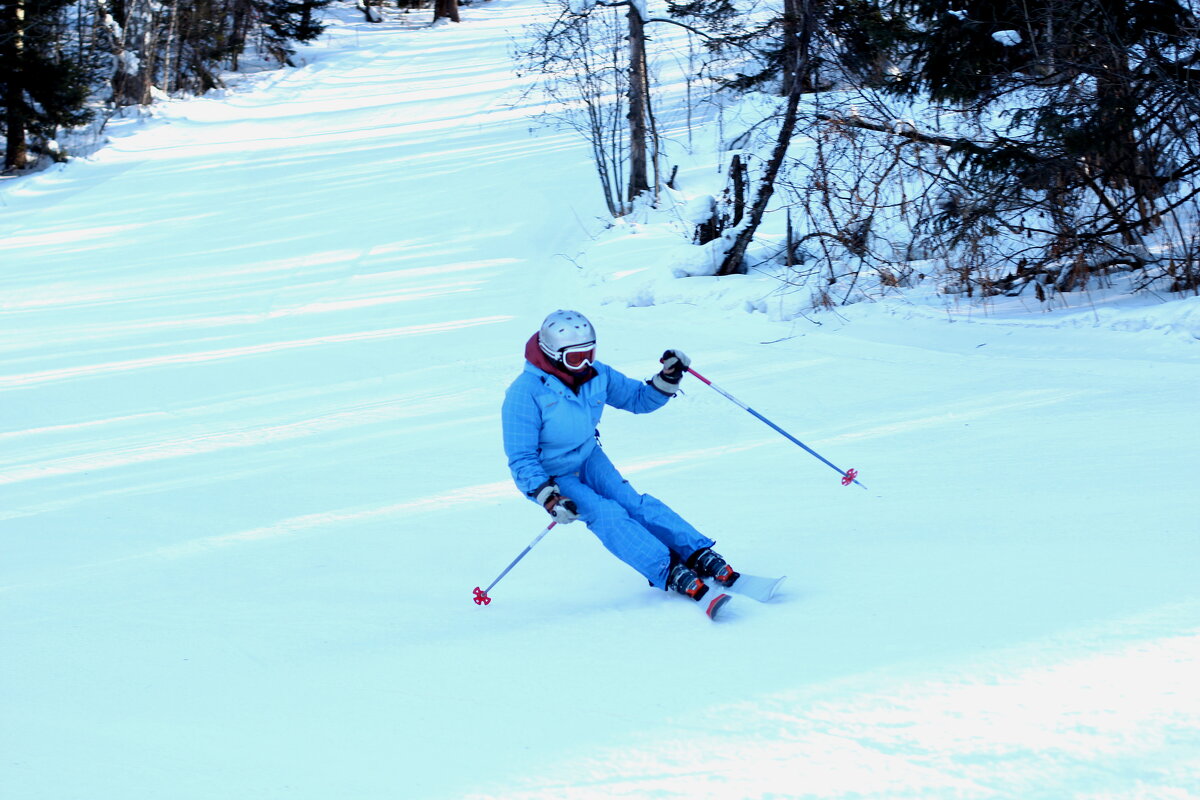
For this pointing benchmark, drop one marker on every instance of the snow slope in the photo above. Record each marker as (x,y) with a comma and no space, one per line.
(251,361)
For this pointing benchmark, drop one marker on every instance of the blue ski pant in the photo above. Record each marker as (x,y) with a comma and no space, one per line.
(639,529)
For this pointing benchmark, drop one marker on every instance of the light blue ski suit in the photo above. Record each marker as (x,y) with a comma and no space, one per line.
(550,433)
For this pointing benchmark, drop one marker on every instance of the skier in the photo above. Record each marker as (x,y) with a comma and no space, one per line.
(549,416)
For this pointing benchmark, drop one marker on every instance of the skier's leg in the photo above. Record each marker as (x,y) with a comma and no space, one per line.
(621,534)
(655,515)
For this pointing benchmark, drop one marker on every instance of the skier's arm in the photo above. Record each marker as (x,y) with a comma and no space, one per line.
(521,420)
(630,395)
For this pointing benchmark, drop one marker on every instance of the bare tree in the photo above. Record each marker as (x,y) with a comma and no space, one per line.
(561,55)
(580,62)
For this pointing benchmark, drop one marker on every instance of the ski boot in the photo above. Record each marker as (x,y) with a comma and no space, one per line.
(709,564)
(685,581)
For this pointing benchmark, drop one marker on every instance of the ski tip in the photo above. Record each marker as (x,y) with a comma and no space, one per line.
(716,604)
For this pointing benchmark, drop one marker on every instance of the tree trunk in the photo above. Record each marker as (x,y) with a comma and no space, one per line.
(798,21)
(445,9)
(638,177)
(737,172)
(169,47)
(734,256)
(797,26)
(14,97)
(134,51)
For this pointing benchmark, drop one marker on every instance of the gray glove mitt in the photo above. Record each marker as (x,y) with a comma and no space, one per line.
(561,509)
(675,364)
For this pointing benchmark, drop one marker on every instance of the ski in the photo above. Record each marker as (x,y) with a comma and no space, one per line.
(757,587)
(712,607)
(714,603)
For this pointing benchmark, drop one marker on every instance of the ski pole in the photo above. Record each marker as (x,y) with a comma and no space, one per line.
(481,595)
(849,476)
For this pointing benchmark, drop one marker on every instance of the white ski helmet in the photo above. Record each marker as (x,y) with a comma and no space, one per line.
(568,338)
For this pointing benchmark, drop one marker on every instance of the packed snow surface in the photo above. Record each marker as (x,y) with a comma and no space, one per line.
(251,363)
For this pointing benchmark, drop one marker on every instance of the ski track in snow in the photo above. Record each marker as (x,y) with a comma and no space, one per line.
(90,370)
(1037,720)
(251,363)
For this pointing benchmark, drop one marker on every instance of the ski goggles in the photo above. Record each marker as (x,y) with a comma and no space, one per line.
(578,356)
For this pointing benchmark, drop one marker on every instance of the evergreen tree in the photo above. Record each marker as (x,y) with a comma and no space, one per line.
(758,51)
(41,87)
(1097,87)
(1082,119)
(285,21)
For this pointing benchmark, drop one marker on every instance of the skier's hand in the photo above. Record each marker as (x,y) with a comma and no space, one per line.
(561,509)
(675,364)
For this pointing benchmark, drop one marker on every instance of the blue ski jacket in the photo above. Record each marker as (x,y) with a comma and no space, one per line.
(550,430)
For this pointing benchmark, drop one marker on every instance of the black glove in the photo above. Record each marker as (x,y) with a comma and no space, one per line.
(561,509)
(675,364)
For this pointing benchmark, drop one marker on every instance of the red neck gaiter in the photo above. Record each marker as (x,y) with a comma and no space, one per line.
(535,356)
